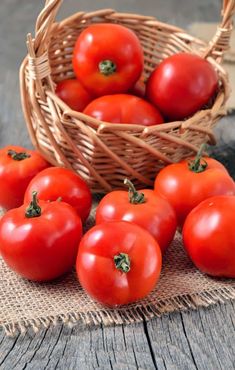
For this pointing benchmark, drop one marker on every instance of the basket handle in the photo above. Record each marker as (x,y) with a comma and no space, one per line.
(44,24)
(38,61)
(38,47)
(220,43)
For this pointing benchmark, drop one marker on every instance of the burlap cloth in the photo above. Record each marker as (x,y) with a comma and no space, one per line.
(25,304)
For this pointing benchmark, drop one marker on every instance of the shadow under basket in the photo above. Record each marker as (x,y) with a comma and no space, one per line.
(101,152)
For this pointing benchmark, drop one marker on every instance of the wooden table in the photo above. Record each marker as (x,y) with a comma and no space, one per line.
(202,339)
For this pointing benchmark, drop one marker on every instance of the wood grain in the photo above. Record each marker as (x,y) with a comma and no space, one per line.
(202,339)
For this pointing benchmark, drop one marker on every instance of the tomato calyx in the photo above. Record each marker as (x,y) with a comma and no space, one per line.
(18,156)
(122,262)
(198,164)
(33,210)
(134,196)
(107,67)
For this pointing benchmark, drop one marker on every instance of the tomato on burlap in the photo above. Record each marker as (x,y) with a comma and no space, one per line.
(39,240)
(118,263)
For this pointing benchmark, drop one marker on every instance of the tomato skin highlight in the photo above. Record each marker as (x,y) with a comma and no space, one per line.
(209,236)
(108,42)
(73,94)
(96,268)
(15,175)
(181,85)
(59,182)
(155,215)
(185,189)
(124,108)
(41,248)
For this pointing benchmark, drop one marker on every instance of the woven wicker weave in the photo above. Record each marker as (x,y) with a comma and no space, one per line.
(103,153)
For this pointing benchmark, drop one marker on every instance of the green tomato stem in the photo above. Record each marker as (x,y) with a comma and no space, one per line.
(107,67)
(18,156)
(33,210)
(198,164)
(122,262)
(134,196)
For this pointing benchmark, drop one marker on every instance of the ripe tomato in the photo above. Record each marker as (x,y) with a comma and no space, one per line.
(181,85)
(139,88)
(118,263)
(144,208)
(17,168)
(107,59)
(58,182)
(186,184)
(73,94)
(40,242)
(209,236)
(123,108)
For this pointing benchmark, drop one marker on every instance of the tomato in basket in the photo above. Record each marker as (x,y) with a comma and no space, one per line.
(181,85)
(189,182)
(18,166)
(139,89)
(124,108)
(39,240)
(209,236)
(118,263)
(144,208)
(58,182)
(73,94)
(108,59)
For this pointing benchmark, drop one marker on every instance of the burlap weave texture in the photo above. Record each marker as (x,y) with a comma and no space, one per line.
(27,304)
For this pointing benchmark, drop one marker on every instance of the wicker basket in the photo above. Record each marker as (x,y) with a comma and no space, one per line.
(101,152)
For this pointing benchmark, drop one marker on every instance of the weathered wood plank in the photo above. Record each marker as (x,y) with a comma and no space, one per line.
(202,339)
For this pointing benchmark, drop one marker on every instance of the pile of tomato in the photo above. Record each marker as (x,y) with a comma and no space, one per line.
(108,62)
(119,260)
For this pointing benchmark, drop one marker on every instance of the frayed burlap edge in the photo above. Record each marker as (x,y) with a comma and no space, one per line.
(124,315)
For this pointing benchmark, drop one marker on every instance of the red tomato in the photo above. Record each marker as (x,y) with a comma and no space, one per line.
(73,94)
(118,263)
(185,188)
(40,242)
(108,59)
(139,88)
(143,208)
(181,85)
(58,182)
(123,108)
(17,168)
(209,236)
